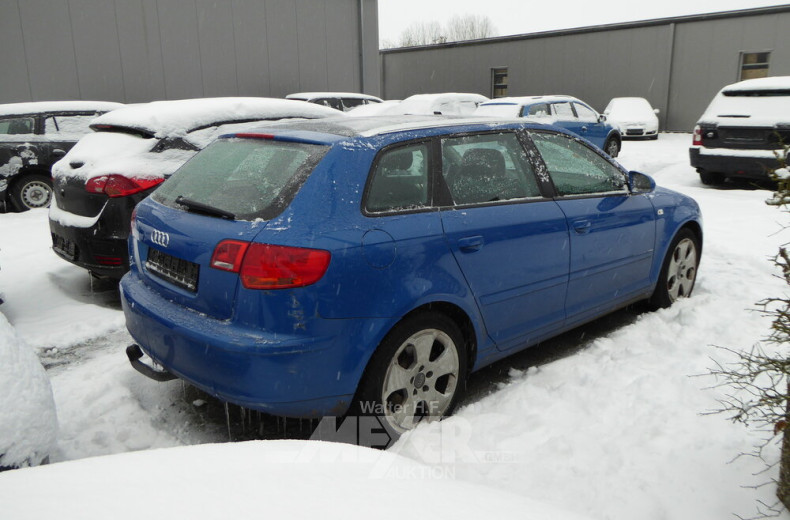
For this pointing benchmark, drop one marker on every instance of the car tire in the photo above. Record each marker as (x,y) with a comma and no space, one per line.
(612,147)
(710,178)
(679,270)
(31,191)
(417,373)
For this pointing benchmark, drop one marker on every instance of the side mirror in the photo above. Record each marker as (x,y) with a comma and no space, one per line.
(656,111)
(601,118)
(640,183)
(57,152)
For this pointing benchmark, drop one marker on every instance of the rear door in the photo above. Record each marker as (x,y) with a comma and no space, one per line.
(612,232)
(510,241)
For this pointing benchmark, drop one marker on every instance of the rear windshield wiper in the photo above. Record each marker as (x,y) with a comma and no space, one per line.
(198,207)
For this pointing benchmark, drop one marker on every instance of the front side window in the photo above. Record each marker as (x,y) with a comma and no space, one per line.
(70,127)
(564,111)
(575,168)
(585,113)
(17,125)
(487,168)
(399,180)
(245,178)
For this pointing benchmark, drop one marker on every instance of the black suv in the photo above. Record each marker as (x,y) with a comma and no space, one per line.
(33,136)
(743,130)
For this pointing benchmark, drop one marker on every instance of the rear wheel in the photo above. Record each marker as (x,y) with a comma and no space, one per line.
(612,147)
(417,373)
(33,190)
(679,271)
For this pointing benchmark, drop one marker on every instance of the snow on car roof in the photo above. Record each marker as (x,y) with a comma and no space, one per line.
(179,117)
(313,95)
(377,125)
(37,107)
(772,83)
(525,100)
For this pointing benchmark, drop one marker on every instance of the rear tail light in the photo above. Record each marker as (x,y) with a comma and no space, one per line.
(264,266)
(120,186)
(696,139)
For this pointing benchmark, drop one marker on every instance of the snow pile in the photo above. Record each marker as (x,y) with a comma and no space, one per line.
(36,107)
(280,479)
(178,118)
(28,423)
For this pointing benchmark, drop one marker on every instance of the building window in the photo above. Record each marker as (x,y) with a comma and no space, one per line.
(754,65)
(499,82)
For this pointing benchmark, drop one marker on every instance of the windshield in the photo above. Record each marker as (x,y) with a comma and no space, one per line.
(246,178)
(636,107)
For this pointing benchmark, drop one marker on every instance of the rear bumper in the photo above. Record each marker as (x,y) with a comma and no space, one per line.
(286,374)
(100,246)
(733,163)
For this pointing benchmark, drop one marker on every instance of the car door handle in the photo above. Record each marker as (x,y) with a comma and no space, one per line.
(470,244)
(582,226)
(584,129)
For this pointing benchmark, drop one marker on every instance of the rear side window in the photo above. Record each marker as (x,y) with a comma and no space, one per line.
(399,180)
(16,126)
(576,169)
(487,168)
(538,110)
(247,178)
(563,111)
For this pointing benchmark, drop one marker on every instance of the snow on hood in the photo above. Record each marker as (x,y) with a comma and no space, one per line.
(36,107)
(28,424)
(629,109)
(740,104)
(280,479)
(177,118)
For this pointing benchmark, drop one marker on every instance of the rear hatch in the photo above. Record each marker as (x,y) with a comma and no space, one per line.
(226,194)
(747,119)
(99,154)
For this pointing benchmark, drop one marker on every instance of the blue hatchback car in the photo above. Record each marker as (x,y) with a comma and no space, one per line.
(312,268)
(565,112)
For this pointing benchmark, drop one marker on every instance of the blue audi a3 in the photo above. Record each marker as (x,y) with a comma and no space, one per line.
(369,265)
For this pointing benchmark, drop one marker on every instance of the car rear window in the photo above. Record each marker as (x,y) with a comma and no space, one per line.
(246,178)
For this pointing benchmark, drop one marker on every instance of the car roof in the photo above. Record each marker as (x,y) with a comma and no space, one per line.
(335,129)
(39,107)
(314,95)
(772,83)
(528,100)
(171,118)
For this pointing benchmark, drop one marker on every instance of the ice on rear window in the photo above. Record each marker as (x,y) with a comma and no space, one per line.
(248,178)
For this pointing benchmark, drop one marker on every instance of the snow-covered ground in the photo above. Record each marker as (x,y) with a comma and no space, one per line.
(607,421)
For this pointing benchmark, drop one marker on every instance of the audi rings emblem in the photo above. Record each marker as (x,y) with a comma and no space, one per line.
(160,238)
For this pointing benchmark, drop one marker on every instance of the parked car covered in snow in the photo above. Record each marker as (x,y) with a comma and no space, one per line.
(447,104)
(564,111)
(633,116)
(99,182)
(742,130)
(370,264)
(33,136)
(343,101)
(28,422)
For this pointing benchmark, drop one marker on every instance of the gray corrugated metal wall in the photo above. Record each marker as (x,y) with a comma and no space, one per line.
(141,50)
(677,64)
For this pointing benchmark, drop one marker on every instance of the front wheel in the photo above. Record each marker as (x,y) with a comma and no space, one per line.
(679,271)
(612,147)
(32,191)
(417,373)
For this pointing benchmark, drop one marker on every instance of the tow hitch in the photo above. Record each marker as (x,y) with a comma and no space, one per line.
(134,353)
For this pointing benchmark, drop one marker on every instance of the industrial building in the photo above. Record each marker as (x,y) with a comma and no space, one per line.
(678,64)
(143,50)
